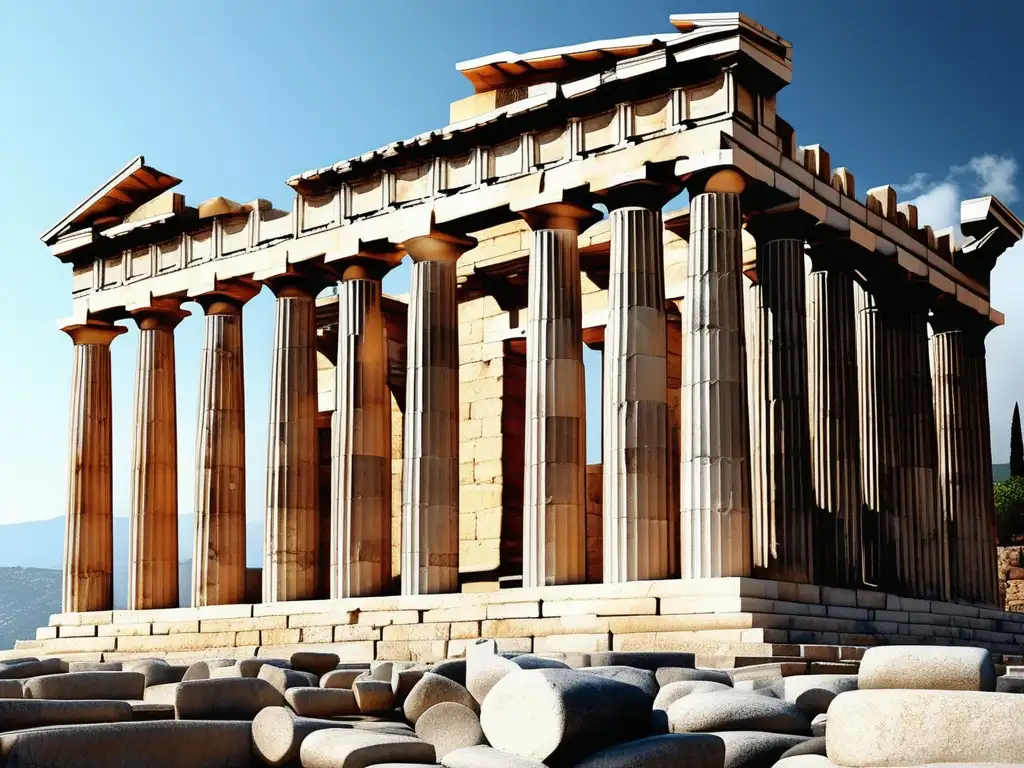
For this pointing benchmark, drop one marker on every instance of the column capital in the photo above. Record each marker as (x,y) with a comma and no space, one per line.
(951,316)
(438,246)
(783,222)
(720,179)
(95,332)
(558,214)
(366,265)
(158,318)
(228,297)
(649,194)
(297,283)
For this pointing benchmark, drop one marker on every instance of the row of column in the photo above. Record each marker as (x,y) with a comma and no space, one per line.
(812,455)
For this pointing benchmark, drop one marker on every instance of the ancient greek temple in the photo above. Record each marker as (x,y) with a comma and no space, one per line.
(794,379)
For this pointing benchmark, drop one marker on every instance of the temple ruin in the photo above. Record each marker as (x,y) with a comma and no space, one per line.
(796,456)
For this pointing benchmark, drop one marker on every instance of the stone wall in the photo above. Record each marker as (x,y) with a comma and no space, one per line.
(1011,578)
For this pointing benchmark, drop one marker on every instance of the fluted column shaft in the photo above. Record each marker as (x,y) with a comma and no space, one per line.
(88,574)
(361,438)
(779,432)
(291,548)
(554,498)
(153,517)
(636,401)
(218,543)
(961,415)
(834,430)
(715,469)
(430,483)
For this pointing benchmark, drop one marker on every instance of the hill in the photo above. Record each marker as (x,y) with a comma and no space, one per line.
(27,598)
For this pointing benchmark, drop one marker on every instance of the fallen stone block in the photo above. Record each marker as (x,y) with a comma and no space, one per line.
(23,670)
(373,695)
(1004,684)
(927,667)
(201,669)
(813,693)
(561,715)
(690,749)
(533,661)
(314,662)
(340,678)
(86,685)
(10,689)
(671,693)
(403,680)
(805,761)
(245,668)
(277,734)
(161,744)
(283,679)
(16,714)
(344,748)
(450,726)
(321,702)
(666,675)
(813,746)
(916,727)
(433,689)
(94,666)
(485,673)
(755,749)
(147,710)
(160,694)
(453,669)
(650,660)
(486,757)
(640,678)
(713,712)
(819,724)
(228,699)
(176,672)
(156,671)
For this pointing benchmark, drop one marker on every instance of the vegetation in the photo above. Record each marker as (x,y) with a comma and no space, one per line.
(1009,501)
(1016,445)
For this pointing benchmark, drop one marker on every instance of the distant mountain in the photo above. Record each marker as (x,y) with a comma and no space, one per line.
(27,598)
(1000,472)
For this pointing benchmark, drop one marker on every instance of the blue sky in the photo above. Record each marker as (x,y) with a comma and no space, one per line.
(235,97)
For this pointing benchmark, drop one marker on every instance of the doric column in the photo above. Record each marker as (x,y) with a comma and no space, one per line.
(430,485)
(218,544)
(834,430)
(88,577)
(554,497)
(153,517)
(961,413)
(635,434)
(361,439)
(290,551)
(715,468)
(781,505)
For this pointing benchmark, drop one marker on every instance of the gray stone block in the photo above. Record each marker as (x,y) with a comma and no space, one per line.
(402,682)
(86,685)
(485,673)
(813,746)
(811,761)
(650,660)
(813,693)
(277,734)
(344,748)
(283,679)
(672,692)
(450,726)
(433,689)
(321,702)
(755,749)
(640,678)
(10,689)
(713,712)
(373,695)
(1004,684)
(201,669)
(666,675)
(453,669)
(16,714)
(156,671)
(340,678)
(819,724)
(146,710)
(314,662)
(160,694)
(162,744)
(95,666)
(229,699)
(561,715)
(927,667)
(486,757)
(690,749)
(532,661)
(24,669)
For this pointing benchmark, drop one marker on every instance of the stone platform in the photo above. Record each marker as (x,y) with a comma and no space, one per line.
(727,622)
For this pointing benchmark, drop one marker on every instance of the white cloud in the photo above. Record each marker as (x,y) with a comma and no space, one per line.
(918,183)
(995,176)
(939,206)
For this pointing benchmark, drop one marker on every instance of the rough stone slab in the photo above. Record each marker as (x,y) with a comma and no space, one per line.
(95,666)
(145,711)
(277,734)
(918,727)
(642,660)
(606,607)
(322,702)
(486,757)
(314,662)
(16,714)
(343,748)
(756,749)
(340,678)
(813,693)
(692,750)
(86,685)
(228,699)
(373,695)
(433,689)
(283,679)
(713,712)
(450,726)
(666,675)
(927,667)
(160,744)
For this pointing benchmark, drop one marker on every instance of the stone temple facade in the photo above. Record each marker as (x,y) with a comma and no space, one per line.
(794,419)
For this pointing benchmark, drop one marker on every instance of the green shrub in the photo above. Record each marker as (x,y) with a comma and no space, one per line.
(1009,500)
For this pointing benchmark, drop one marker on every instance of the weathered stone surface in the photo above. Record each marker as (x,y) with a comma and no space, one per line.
(381,670)
(156,671)
(277,734)
(228,699)
(433,689)
(560,715)
(1004,684)
(94,666)
(650,660)
(916,727)
(161,694)
(453,669)
(86,685)
(640,678)
(450,726)
(24,669)
(666,675)
(813,746)
(147,711)
(201,669)
(402,682)
(486,673)
(314,662)
(321,702)
(533,661)
(671,693)
(668,751)
(10,689)
(340,678)
(343,748)
(162,744)
(373,695)
(819,724)
(19,713)
(755,749)
(712,712)
(283,679)
(486,757)
(927,667)
(813,693)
